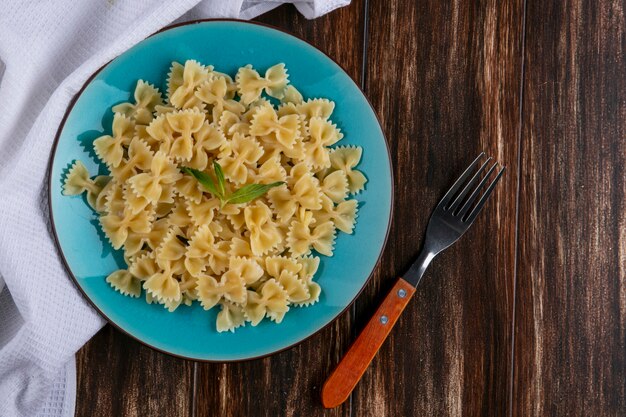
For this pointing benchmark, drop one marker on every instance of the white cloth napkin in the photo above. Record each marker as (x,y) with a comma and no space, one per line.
(47,51)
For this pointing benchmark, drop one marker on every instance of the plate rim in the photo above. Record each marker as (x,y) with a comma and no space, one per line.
(74,280)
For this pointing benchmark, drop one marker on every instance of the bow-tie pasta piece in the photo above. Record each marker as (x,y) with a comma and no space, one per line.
(240,248)
(172,247)
(172,304)
(305,234)
(181,243)
(117,227)
(235,215)
(314,295)
(264,233)
(207,140)
(274,149)
(250,84)
(147,97)
(179,215)
(202,212)
(343,215)
(274,265)
(187,297)
(309,264)
(271,298)
(144,266)
(214,93)
(322,134)
(189,188)
(244,154)
(225,229)
(231,85)
(124,282)
(139,159)
(282,203)
(248,270)
(317,107)
(150,185)
(270,171)
(161,133)
(231,124)
(346,158)
(277,79)
(174,79)
(230,317)
(77,182)
(287,109)
(204,251)
(153,239)
(183,81)
(335,186)
(305,188)
(134,202)
(286,272)
(284,130)
(184,123)
(163,286)
(297,290)
(110,148)
(229,287)
(141,132)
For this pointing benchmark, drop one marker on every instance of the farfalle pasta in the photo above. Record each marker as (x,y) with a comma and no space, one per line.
(185,243)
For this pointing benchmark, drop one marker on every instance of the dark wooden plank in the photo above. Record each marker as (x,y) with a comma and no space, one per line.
(289,383)
(444,76)
(570,345)
(117,376)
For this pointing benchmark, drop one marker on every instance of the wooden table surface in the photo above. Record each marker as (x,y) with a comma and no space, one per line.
(526,315)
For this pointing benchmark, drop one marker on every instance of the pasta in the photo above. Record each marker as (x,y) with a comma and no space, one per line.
(110,149)
(250,258)
(77,182)
(147,97)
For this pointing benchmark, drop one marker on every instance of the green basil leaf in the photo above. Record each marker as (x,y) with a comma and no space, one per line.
(204,179)
(219,174)
(250,192)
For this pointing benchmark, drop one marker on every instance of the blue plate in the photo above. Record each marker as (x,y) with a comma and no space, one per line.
(190,331)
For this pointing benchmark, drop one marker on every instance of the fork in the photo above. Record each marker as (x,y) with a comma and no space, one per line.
(454,214)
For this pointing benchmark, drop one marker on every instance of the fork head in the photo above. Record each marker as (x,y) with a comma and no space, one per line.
(458,209)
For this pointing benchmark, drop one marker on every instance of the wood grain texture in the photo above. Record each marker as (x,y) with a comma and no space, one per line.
(117,376)
(348,372)
(288,384)
(570,346)
(445,79)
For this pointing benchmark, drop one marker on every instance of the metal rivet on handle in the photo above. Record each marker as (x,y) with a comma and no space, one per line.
(384,319)
(401,293)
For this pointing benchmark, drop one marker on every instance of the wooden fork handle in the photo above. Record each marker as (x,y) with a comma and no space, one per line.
(349,371)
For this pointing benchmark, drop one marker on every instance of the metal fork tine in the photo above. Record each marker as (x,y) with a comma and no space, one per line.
(455,187)
(483,199)
(470,184)
(470,200)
